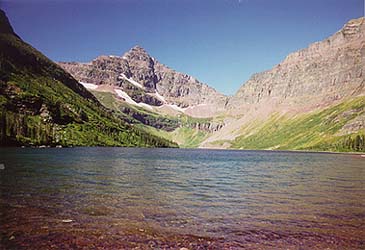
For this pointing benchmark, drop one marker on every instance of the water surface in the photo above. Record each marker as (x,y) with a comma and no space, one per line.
(122,198)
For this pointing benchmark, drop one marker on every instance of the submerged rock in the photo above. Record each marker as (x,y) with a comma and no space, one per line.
(67,221)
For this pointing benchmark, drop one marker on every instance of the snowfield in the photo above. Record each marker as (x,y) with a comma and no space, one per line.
(160,97)
(174,106)
(129,100)
(125,96)
(137,84)
(89,85)
(145,105)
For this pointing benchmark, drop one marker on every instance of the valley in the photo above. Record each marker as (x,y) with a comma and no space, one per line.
(313,100)
(102,146)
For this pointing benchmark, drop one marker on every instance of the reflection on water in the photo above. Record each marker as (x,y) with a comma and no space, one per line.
(172,198)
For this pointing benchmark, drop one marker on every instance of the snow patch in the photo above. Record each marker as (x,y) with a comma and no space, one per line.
(137,84)
(129,100)
(174,106)
(125,96)
(89,85)
(160,97)
(145,105)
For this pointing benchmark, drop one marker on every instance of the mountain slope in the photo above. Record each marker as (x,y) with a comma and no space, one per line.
(152,96)
(295,104)
(340,127)
(41,104)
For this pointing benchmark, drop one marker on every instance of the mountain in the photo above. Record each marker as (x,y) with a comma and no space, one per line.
(140,78)
(41,104)
(313,100)
(321,74)
(152,96)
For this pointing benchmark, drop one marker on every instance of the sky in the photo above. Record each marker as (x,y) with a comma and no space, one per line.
(220,42)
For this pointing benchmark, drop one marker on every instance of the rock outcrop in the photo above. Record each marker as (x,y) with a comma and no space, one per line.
(209,127)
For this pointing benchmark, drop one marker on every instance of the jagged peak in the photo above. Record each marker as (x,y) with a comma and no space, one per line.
(138,47)
(106,57)
(137,51)
(353,27)
(356,21)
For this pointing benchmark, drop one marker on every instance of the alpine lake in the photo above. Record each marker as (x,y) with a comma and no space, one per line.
(139,198)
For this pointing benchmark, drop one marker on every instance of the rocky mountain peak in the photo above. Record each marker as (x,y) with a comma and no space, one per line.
(354,28)
(137,53)
(138,68)
(141,67)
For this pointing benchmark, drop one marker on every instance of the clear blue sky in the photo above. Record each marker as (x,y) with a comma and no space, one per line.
(220,42)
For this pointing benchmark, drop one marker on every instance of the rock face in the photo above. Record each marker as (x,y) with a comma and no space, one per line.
(138,66)
(322,73)
(210,127)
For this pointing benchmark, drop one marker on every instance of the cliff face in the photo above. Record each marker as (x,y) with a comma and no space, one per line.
(322,73)
(137,65)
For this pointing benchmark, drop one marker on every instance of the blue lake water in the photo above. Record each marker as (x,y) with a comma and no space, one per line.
(123,198)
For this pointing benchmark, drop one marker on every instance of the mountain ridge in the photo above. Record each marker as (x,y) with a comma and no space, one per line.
(148,79)
(306,61)
(41,104)
(316,78)
(154,78)
(314,99)
(136,65)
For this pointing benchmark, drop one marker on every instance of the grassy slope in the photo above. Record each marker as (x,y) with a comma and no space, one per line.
(186,136)
(312,131)
(29,80)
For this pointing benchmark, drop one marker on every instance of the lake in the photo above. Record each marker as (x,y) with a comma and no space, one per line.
(125,198)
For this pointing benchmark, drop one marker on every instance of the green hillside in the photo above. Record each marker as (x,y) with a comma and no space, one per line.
(323,130)
(41,104)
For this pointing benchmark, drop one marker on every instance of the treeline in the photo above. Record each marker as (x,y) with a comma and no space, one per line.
(30,130)
(160,122)
(19,129)
(353,143)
